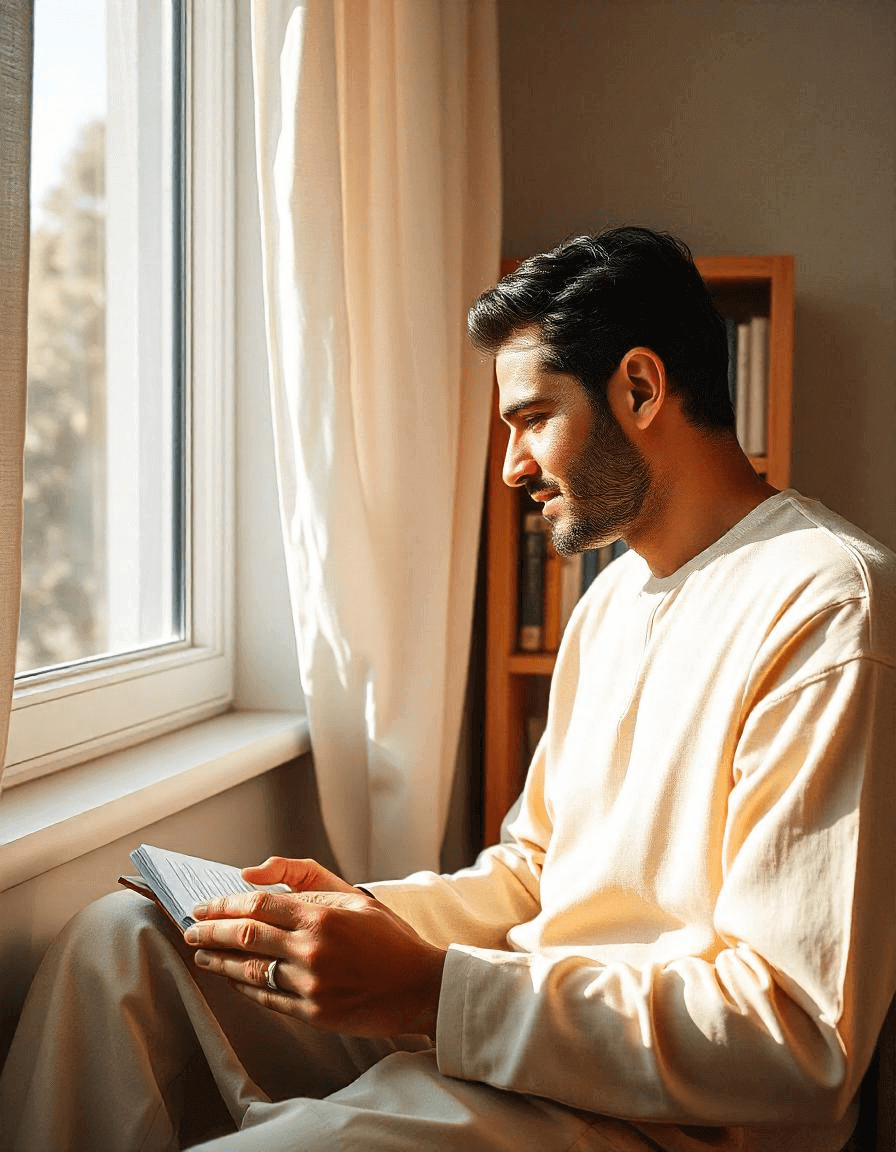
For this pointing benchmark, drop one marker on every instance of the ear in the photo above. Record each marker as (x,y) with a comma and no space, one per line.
(639,384)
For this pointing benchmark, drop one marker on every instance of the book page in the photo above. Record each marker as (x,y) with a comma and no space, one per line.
(181,882)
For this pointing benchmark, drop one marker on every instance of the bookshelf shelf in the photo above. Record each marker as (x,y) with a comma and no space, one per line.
(530,663)
(516,681)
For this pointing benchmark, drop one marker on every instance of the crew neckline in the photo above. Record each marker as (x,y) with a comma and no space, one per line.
(759,514)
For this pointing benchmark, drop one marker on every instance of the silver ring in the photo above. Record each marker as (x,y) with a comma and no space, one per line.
(271,976)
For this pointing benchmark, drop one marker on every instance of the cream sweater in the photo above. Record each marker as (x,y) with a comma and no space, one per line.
(690,918)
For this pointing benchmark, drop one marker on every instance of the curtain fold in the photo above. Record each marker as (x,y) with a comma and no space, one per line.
(378,147)
(16,38)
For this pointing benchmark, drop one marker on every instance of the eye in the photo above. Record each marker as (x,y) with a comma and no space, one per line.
(534,421)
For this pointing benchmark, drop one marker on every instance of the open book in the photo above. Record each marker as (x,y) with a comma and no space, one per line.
(177,883)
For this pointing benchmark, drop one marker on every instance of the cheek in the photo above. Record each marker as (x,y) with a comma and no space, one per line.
(557,450)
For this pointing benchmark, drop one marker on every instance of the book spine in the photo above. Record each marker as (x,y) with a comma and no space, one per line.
(532,555)
(758,403)
(742,387)
(590,568)
(731,333)
(553,566)
(570,587)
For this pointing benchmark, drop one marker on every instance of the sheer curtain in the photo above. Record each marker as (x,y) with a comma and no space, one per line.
(379,185)
(16,26)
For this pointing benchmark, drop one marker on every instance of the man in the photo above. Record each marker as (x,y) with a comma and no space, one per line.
(685,939)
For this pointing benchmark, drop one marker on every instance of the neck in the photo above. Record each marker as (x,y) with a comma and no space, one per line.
(703,490)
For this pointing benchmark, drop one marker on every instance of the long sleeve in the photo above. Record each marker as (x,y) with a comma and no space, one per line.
(480,904)
(776,1022)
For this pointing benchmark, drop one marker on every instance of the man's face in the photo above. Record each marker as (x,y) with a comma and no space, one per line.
(568,452)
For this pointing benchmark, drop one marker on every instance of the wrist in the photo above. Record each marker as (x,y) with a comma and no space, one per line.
(429,992)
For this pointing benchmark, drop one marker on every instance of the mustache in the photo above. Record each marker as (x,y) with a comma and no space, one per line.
(541,484)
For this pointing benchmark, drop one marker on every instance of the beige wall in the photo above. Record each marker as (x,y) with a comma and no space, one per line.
(744,126)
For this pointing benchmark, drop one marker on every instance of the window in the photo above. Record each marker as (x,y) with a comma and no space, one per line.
(125,627)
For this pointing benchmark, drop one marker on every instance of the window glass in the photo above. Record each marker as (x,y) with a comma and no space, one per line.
(103,570)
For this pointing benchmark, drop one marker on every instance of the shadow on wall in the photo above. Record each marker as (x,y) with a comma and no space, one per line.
(833,421)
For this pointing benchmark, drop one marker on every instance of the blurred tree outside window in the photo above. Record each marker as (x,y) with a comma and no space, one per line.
(63,615)
(101,494)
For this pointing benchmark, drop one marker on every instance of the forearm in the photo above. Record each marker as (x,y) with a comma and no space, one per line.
(476,906)
(479,905)
(689,1043)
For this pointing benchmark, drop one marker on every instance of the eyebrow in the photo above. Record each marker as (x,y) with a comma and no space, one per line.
(531,401)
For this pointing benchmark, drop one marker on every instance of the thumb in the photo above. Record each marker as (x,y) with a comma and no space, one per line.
(299,875)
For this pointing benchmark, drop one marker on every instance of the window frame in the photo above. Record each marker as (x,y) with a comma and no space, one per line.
(64,717)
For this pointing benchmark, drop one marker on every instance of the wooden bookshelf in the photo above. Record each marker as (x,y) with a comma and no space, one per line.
(741,286)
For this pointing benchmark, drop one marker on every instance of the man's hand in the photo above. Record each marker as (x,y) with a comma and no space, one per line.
(346,962)
(299,875)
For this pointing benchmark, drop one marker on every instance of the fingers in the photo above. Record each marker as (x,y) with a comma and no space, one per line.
(278,908)
(290,911)
(300,875)
(277,1001)
(239,936)
(282,1002)
(266,923)
(273,871)
(249,970)
(249,976)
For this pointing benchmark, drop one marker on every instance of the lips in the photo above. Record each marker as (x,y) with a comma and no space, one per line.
(543,495)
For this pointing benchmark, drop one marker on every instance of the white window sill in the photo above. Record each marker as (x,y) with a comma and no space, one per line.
(47,822)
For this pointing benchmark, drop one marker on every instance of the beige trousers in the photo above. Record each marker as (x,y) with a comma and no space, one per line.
(124,1045)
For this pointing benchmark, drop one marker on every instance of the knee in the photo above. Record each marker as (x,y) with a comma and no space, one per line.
(116,932)
(106,920)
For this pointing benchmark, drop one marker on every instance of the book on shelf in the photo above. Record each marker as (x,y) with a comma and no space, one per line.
(177,883)
(731,334)
(533,546)
(551,585)
(757,402)
(741,385)
(591,565)
(597,559)
(751,384)
(570,586)
(553,576)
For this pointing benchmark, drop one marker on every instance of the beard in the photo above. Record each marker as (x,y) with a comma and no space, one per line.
(607,485)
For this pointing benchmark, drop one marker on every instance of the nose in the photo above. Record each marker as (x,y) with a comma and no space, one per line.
(518,464)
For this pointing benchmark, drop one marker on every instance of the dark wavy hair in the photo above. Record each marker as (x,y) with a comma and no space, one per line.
(595,297)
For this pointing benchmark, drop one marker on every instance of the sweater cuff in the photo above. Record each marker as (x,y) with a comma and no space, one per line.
(450,1019)
(477,986)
